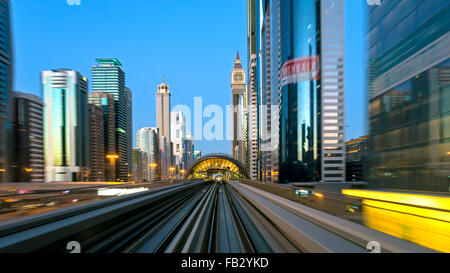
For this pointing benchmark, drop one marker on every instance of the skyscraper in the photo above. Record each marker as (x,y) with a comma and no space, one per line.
(147,140)
(108,77)
(265,173)
(299,74)
(238,95)
(409,92)
(66,125)
(130,131)
(97,153)
(163,110)
(106,102)
(28,160)
(252,97)
(6,72)
(163,124)
(178,134)
(332,79)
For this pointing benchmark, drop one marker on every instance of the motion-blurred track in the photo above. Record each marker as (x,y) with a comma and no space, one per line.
(193,217)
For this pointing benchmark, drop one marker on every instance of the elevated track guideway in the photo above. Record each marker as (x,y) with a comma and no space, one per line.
(193,217)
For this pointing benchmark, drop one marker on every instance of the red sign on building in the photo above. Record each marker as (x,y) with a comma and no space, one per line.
(301,69)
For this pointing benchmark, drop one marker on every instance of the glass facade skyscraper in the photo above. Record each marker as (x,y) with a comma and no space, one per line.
(5,91)
(307,85)
(409,92)
(108,77)
(66,126)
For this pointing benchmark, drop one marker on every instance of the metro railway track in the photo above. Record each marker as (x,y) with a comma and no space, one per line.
(205,220)
(193,217)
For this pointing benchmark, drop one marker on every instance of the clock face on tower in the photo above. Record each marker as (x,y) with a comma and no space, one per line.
(238,77)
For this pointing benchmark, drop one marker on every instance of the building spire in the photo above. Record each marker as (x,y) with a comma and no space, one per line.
(237,62)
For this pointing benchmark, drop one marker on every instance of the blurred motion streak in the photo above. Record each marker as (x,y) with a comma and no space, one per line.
(422,219)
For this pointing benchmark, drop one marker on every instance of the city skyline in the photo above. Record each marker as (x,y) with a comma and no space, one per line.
(144,71)
(297,146)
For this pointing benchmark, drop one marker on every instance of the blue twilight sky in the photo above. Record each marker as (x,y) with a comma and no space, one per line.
(192,43)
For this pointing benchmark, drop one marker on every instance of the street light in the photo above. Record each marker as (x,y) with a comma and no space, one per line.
(172,169)
(153,166)
(112,159)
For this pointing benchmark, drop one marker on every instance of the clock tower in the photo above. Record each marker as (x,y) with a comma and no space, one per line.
(238,77)
(238,94)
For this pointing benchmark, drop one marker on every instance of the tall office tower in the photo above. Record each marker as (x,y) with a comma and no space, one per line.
(178,134)
(66,126)
(245,113)
(106,102)
(28,160)
(238,93)
(252,138)
(266,107)
(275,86)
(409,92)
(108,77)
(130,131)
(307,84)
(6,72)
(97,153)
(163,110)
(147,139)
(165,158)
(333,90)
(163,124)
